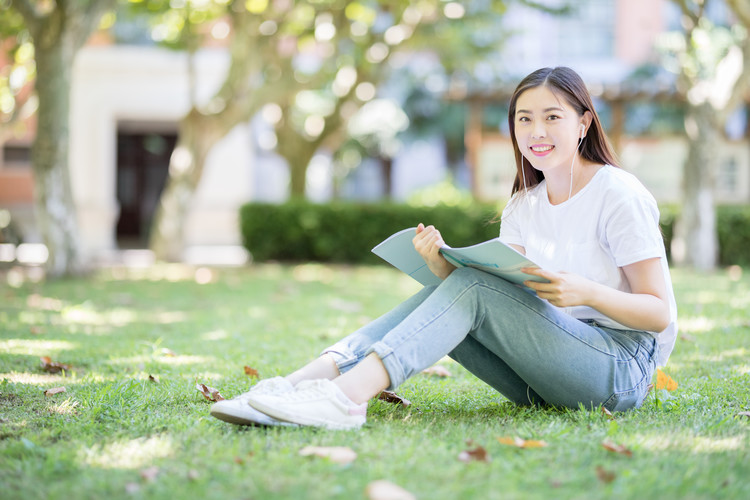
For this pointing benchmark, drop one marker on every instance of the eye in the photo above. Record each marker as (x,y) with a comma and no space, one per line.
(523,118)
(553,117)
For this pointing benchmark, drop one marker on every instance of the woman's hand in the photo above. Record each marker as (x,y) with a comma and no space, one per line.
(427,242)
(645,307)
(562,290)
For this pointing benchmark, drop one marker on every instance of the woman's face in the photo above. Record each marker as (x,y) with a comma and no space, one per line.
(547,129)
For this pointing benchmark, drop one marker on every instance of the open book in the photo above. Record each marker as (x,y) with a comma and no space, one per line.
(492,256)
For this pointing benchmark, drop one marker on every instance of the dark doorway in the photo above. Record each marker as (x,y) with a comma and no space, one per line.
(142,168)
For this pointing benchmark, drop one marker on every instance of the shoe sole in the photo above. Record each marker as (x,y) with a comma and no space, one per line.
(241,420)
(302,419)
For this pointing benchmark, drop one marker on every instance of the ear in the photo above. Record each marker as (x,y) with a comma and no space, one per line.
(586,120)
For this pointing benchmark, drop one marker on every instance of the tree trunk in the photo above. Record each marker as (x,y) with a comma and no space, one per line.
(197,135)
(55,209)
(695,243)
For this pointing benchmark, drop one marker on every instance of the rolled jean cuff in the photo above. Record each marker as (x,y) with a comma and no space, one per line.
(344,358)
(393,366)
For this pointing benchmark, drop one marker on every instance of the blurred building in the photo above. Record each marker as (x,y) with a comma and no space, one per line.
(127,100)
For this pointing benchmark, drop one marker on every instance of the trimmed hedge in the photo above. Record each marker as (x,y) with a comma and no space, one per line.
(346,232)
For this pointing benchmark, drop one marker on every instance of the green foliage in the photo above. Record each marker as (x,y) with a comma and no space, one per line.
(734,235)
(346,232)
(733,227)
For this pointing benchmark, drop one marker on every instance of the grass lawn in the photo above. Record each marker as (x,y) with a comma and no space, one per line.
(132,425)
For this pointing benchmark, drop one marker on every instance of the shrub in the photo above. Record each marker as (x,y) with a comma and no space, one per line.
(346,232)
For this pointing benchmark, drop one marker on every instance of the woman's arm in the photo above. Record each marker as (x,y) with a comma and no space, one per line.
(646,307)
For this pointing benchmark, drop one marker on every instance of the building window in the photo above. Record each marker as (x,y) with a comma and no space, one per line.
(15,156)
(588,32)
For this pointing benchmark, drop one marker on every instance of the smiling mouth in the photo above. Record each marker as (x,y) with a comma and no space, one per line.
(541,149)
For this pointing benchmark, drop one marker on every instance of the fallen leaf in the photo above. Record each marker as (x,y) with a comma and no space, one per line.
(392,397)
(338,454)
(521,443)
(193,475)
(239,460)
(151,378)
(209,392)
(604,475)
(149,473)
(664,381)
(686,337)
(617,448)
(251,372)
(476,454)
(50,366)
(437,371)
(386,490)
(36,330)
(745,414)
(167,352)
(607,413)
(54,390)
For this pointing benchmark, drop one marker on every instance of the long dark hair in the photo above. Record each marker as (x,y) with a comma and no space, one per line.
(566,83)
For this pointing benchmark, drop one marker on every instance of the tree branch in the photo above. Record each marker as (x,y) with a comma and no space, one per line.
(27,9)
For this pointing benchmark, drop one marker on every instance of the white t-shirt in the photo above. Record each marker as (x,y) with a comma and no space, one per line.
(610,223)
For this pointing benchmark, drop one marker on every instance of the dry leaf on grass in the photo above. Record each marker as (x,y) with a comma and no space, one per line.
(54,390)
(664,381)
(151,378)
(338,454)
(437,371)
(386,490)
(250,371)
(50,366)
(605,475)
(745,414)
(476,454)
(617,448)
(521,443)
(209,392)
(607,413)
(392,397)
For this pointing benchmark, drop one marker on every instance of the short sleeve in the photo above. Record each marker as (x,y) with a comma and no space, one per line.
(510,226)
(632,231)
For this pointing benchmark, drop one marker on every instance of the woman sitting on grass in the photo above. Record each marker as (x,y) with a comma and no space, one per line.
(591,335)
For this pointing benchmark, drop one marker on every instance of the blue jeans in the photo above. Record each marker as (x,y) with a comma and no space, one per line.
(528,350)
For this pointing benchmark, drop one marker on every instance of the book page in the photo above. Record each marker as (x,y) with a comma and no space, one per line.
(492,256)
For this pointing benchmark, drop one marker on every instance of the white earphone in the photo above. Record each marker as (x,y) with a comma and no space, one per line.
(583,131)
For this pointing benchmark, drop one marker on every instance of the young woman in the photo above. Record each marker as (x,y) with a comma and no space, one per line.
(591,334)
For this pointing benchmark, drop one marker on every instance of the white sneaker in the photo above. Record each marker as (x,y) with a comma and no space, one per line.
(318,403)
(238,411)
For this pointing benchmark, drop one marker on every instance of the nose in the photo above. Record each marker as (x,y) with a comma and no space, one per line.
(538,130)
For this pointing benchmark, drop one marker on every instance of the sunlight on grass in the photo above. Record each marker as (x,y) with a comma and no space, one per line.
(128,454)
(85,315)
(215,335)
(36,347)
(696,324)
(185,359)
(67,407)
(34,378)
(729,355)
(691,444)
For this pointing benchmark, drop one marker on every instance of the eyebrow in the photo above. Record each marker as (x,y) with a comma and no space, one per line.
(547,110)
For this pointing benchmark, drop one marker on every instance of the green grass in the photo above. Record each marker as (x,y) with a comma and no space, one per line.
(115,329)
